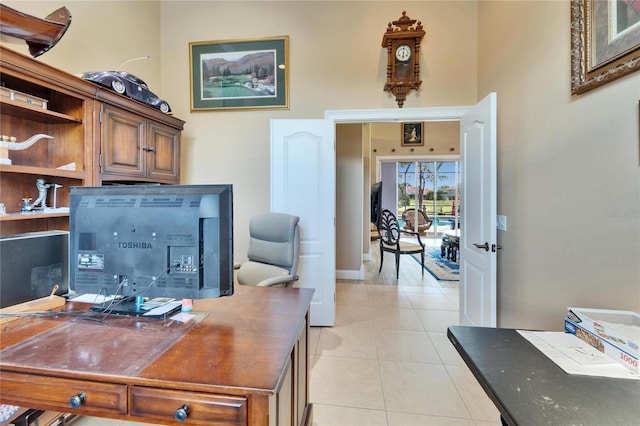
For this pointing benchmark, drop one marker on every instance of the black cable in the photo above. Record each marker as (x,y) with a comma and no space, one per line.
(109,309)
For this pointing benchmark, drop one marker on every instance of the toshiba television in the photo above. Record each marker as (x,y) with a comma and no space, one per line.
(150,241)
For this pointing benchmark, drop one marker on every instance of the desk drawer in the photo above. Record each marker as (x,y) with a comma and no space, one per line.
(204,409)
(54,394)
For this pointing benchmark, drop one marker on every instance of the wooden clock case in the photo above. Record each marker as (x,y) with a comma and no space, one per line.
(403,74)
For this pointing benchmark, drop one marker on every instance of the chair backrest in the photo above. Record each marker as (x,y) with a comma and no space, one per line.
(388,228)
(410,217)
(275,240)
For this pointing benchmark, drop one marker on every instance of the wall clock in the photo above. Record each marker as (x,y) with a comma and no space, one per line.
(402,41)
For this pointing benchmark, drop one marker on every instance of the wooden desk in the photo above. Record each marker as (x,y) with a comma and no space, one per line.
(243,362)
(530,389)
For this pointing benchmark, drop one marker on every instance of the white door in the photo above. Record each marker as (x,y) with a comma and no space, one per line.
(388,176)
(478,241)
(303,184)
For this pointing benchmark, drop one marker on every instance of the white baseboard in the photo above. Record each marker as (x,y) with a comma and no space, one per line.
(350,274)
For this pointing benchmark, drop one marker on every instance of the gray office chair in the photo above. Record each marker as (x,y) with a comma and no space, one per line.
(273,251)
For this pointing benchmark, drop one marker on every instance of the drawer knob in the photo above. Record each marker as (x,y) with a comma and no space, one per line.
(182,413)
(77,400)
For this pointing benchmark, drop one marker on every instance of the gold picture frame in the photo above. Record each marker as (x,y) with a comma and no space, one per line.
(412,134)
(603,49)
(239,74)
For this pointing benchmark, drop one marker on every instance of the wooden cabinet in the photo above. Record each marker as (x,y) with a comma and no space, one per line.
(97,136)
(64,160)
(135,148)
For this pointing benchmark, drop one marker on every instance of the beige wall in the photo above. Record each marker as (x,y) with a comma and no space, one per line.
(568,171)
(102,35)
(349,196)
(336,62)
(568,167)
(440,138)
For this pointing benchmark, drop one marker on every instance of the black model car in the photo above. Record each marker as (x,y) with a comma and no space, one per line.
(129,85)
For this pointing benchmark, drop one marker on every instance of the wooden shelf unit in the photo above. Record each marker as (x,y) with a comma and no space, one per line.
(74,117)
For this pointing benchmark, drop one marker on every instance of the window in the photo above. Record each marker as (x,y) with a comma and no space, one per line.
(433,187)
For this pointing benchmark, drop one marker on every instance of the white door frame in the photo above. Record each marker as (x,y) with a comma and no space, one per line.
(396,115)
(403,158)
(393,115)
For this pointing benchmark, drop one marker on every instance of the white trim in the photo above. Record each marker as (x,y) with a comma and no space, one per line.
(350,274)
(392,115)
(402,158)
(385,116)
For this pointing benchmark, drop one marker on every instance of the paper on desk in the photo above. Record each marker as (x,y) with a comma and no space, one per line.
(163,309)
(576,356)
(92,298)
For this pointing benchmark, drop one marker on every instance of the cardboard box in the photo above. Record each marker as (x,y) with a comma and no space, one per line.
(29,100)
(6,93)
(14,95)
(615,333)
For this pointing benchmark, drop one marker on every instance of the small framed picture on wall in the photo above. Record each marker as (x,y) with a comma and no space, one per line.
(412,134)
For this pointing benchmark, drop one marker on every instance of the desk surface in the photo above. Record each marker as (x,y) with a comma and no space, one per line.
(240,346)
(530,389)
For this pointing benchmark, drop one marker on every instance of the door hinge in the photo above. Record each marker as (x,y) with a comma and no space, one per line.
(100,115)
(100,162)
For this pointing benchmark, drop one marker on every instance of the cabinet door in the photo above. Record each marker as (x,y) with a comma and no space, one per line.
(123,137)
(163,153)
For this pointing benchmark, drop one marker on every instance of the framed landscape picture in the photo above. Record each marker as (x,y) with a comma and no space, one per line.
(412,134)
(239,74)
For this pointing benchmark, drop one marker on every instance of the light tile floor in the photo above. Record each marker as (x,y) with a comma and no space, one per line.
(387,361)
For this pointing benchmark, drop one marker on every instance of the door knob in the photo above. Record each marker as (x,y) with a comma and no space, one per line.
(182,413)
(484,246)
(77,400)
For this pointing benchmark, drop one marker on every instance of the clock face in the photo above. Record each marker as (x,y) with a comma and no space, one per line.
(403,52)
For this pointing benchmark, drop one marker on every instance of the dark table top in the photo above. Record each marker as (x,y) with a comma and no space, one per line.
(530,389)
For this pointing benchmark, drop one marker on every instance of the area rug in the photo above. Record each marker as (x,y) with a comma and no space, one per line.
(441,268)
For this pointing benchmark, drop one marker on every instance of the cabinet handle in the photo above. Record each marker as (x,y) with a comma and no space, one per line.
(152,149)
(148,148)
(182,413)
(77,400)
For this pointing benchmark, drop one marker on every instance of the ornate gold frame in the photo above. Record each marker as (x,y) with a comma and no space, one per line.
(584,75)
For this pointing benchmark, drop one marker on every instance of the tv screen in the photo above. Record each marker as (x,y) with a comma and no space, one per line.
(170,241)
(32,265)
(376,202)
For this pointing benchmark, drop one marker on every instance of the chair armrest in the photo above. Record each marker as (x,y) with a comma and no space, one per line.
(417,234)
(285,279)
